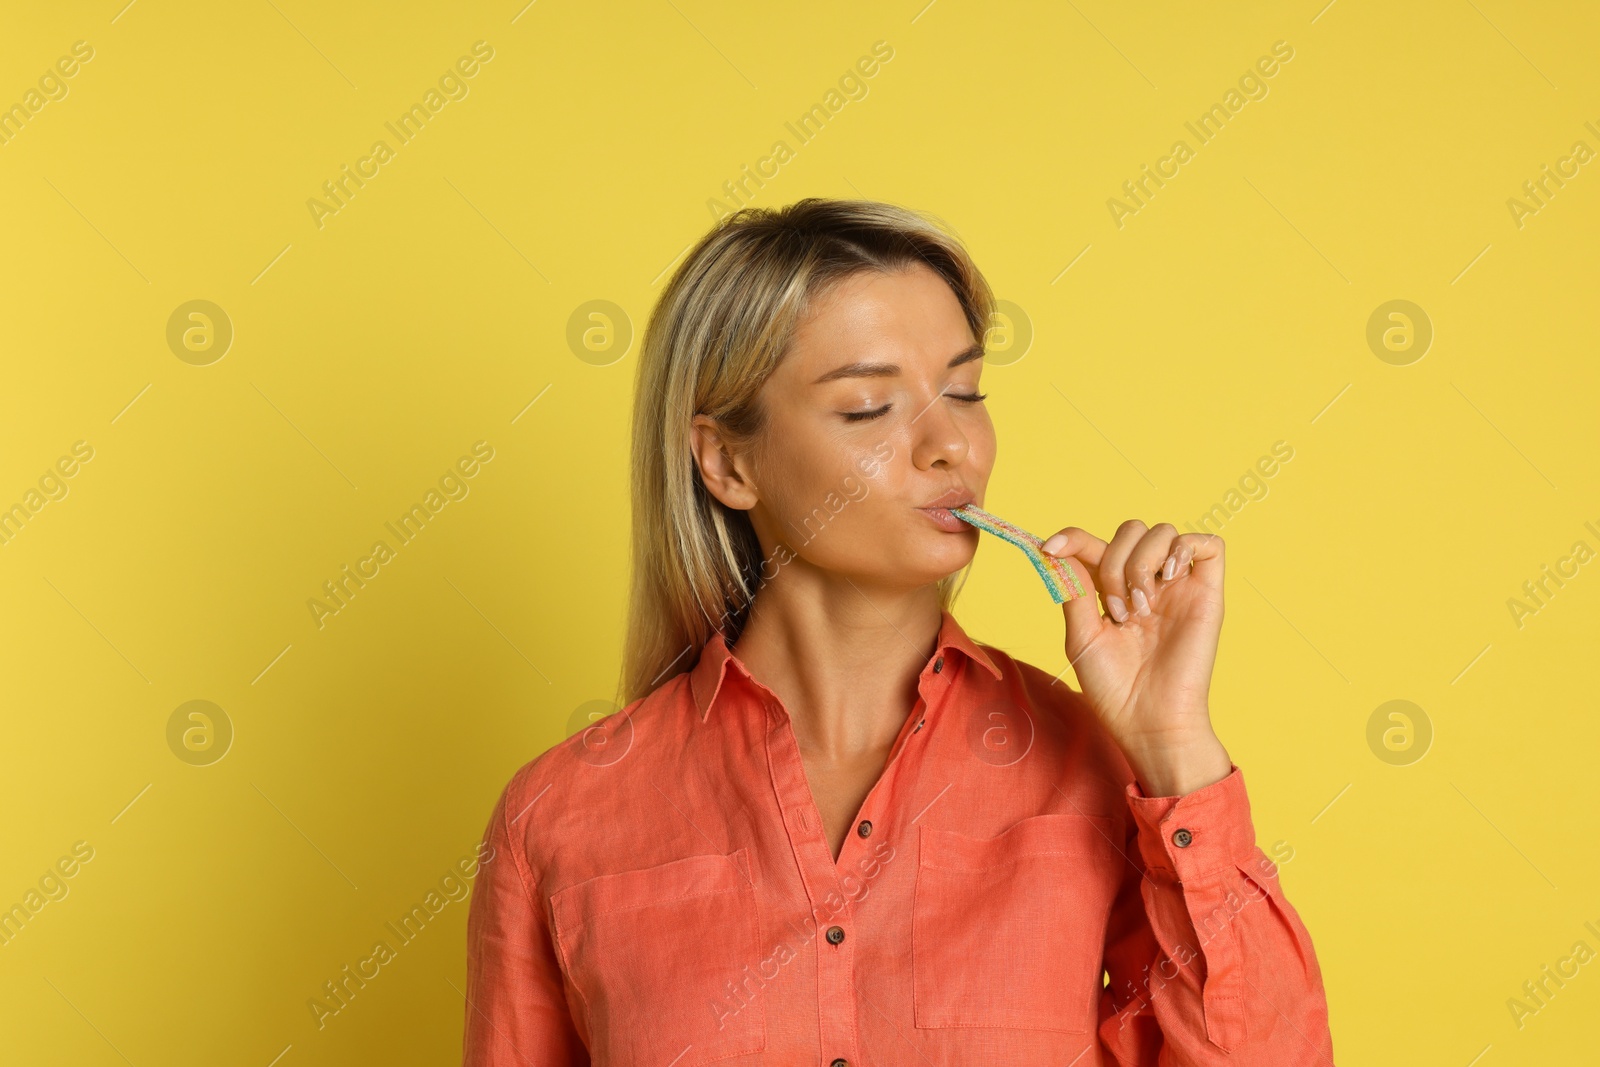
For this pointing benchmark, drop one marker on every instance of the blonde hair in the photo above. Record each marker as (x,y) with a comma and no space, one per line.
(717,333)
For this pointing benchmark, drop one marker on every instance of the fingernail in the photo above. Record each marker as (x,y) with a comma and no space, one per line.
(1115,606)
(1171,567)
(1141,603)
(1054,543)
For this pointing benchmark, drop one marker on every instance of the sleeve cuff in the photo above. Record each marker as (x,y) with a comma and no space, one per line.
(1185,838)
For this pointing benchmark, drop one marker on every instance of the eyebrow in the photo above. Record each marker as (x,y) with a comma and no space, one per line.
(891,370)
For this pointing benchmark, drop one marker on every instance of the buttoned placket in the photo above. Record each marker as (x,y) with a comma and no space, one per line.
(831,927)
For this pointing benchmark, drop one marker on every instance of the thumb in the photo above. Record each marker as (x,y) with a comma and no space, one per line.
(1081,613)
(1080,551)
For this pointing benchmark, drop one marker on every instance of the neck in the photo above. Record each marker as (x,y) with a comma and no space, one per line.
(842,657)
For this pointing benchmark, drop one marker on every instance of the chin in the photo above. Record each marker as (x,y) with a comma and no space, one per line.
(949,557)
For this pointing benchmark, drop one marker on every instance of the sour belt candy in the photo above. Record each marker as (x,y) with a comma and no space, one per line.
(1058,576)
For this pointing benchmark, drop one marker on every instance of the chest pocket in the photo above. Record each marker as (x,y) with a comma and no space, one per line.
(653,953)
(1010,931)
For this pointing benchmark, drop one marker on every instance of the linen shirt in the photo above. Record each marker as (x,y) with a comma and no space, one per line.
(661,894)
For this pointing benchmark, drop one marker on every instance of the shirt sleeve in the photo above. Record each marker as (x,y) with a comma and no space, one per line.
(1208,962)
(516,1007)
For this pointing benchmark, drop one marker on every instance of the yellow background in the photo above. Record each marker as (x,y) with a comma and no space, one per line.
(369,354)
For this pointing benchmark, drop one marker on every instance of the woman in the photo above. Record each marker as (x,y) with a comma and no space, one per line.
(828,827)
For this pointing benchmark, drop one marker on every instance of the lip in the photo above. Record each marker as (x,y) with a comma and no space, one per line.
(952,498)
(938,509)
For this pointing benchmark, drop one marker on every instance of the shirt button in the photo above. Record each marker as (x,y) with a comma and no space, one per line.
(840,1063)
(1182,837)
(938,665)
(835,934)
(865,828)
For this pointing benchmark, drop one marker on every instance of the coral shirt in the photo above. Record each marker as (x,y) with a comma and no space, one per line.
(662,894)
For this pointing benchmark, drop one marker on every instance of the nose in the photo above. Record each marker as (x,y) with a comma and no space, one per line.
(937,440)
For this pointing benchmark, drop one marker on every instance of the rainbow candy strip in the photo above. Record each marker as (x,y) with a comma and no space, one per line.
(1058,577)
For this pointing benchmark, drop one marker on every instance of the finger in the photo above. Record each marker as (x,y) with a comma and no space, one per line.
(1112,577)
(1193,551)
(1145,562)
(1082,551)
(1075,541)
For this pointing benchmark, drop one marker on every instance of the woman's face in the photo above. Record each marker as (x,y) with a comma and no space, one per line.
(870,420)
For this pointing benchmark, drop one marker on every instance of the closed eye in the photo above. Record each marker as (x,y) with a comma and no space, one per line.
(864,416)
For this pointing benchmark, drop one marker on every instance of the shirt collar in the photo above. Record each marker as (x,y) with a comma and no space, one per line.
(717,661)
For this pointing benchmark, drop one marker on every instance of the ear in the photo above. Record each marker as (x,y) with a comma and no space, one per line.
(721,469)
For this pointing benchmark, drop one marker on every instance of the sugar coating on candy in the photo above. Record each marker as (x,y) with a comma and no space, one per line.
(1058,577)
